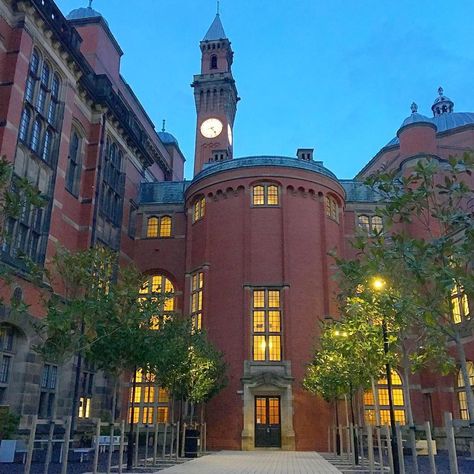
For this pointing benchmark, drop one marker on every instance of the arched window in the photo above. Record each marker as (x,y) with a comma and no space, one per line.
(364,223)
(53,104)
(332,208)
(459,304)
(159,284)
(265,195)
(35,135)
(213,61)
(7,348)
(24,124)
(165,226)
(199,209)
(152,227)
(377,224)
(382,390)
(461,390)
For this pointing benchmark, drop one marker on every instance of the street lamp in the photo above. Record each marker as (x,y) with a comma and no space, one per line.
(379,284)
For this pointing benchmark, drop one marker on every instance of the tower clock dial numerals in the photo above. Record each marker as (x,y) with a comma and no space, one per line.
(211,128)
(229,134)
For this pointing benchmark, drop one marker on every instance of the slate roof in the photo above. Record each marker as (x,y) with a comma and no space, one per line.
(83,13)
(215,31)
(167,192)
(356,191)
(252,161)
(443,122)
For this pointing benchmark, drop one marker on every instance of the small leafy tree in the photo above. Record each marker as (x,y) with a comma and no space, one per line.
(9,423)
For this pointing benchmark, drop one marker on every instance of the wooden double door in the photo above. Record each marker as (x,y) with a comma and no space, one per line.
(267,422)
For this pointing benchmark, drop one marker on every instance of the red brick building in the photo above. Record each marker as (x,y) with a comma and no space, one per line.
(243,245)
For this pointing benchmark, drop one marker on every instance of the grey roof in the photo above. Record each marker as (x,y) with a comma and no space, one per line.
(358,191)
(167,139)
(444,122)
(215,31)
(84,13)
(252,161)
(167,192)
(415,118)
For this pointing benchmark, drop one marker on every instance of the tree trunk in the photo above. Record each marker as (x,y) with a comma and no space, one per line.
(132,415)
(112,426)
(355,437)
(407,396)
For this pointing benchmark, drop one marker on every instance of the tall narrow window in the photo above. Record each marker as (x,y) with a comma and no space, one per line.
(165,226)
(48,390)
(332,208)
(213,61)
(265,195)
(45,155)
(461,390)
(382,390)
(197,285)
(53,103)
(32,76)
(73,172)
(266,325)
(364,223)
(152,227)
(199,209)
(35,135)
(24,124)
(459,304)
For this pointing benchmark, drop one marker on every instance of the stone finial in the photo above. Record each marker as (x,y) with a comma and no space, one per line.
(440,90)
(90,3)
(164,126)
(414,108)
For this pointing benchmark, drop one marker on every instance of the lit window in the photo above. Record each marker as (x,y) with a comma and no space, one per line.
(332,208)
(266,325)
(382,391)
(461,390)
(85,407)
(160,285)
(199,209)
(197,285)
(165,226)
(370,224)
(152,227)
(265,195)
(459,304)
(162,415)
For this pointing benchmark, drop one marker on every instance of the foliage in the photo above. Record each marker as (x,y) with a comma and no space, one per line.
(187,364)
(9,423)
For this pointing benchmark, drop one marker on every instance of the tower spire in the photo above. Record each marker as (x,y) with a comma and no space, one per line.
(164,126)
(218,7)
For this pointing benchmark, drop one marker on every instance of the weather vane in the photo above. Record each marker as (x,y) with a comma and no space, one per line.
(164,123)
(218,7)
(90,3)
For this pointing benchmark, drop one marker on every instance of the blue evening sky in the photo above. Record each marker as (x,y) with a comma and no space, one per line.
(336,75)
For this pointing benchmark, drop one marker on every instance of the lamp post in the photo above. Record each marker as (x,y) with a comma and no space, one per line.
(379,284)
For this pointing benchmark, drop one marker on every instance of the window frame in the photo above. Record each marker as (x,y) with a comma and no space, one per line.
(196,299)
(332,208)
(74,164)
(266,335)
(199,209)
(265,195)
(370,227)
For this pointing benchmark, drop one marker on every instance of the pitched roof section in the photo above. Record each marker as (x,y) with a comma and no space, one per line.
(216,30)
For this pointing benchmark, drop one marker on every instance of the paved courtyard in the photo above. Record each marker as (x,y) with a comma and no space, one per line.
(256,462)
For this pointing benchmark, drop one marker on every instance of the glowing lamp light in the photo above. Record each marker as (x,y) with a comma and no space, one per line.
(378,284)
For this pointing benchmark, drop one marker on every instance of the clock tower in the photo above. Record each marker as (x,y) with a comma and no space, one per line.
(216,99)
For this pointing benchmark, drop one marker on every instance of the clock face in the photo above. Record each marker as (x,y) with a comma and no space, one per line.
(229,133)
(211,128)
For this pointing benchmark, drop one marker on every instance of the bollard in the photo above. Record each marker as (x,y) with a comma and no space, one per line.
(448,426)
(31,444)
(401,459)
(430,448)
(96,447)
(121,446)
(389,447)
(370,448)
(67,438)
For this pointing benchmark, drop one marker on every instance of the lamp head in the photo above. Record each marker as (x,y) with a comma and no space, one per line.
(378,284)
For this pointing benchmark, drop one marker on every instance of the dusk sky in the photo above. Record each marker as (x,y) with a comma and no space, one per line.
(336,75)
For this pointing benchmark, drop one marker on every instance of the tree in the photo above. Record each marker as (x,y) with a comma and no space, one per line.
(425,254)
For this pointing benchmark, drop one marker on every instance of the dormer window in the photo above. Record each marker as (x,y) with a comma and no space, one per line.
(213,61)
